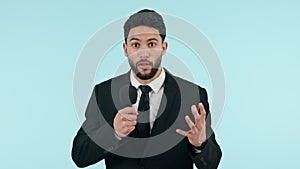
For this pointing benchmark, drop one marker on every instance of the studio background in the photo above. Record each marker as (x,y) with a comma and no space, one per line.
(257,43)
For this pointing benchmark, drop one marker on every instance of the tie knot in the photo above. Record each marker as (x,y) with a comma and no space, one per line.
(145,89)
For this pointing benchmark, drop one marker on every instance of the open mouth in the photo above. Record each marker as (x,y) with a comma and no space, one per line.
(144,65)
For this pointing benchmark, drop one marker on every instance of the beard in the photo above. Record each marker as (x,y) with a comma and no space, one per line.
(147,76)
(141,76)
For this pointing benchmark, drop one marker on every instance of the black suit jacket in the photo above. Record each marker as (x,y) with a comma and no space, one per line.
(96,140)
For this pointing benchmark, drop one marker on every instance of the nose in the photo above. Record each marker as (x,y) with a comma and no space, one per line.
(143,53)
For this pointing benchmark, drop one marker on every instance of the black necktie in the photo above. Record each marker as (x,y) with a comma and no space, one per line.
(143,124)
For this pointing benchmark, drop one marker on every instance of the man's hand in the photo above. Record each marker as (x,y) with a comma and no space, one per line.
(125,121)
(197,133)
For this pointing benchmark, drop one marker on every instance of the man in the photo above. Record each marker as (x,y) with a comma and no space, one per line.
(127,114)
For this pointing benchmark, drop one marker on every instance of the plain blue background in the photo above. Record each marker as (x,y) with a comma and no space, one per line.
(257,43)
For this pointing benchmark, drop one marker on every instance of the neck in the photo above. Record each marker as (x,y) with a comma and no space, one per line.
(144,82)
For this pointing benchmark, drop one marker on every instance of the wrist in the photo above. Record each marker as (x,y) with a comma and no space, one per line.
(201,146)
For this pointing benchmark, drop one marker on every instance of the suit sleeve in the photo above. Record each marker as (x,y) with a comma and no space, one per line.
(210,155)
(95,138)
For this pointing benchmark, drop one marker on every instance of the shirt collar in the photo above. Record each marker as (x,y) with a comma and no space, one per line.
(155,85)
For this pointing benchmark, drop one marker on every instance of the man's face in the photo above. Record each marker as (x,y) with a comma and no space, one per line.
(144,49)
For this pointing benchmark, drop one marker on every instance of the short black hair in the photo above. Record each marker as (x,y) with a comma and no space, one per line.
(145,17)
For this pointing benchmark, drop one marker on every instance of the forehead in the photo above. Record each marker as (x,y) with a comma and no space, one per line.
(143,32)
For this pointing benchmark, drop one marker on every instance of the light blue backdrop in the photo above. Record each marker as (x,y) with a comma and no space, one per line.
(257,43)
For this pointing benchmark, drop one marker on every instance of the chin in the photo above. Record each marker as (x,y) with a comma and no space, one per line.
(146,74)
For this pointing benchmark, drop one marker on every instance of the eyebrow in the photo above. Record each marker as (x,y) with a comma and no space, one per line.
(151,39)
(134,39)
(137,39)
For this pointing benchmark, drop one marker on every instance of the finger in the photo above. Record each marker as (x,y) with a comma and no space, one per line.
(128,110)
(195,112)
(181,132)
(187,134)
(130,130)
(126,124)
(194,130)
(202,110)
(128,113)
(189,121)
(130,123)
(123,118)
(124,130)
(130,117)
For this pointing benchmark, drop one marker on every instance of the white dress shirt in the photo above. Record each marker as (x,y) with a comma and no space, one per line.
(155,95)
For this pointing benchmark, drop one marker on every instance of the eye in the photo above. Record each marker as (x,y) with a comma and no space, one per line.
(135,45)
(152,44)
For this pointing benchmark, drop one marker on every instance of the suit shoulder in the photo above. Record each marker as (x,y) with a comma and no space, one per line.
(184,81)
(103,84)
(107,83)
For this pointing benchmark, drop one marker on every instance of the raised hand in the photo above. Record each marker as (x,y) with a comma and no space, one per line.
(197,134)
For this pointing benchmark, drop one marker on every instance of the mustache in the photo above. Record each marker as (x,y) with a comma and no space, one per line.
(144,60)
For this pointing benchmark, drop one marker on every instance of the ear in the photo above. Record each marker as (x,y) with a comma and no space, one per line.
(125,49)
(164,47)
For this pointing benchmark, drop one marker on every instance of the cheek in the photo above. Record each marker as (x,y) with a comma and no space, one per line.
(132,59)
(132,53)
(156,53)
(157,60)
